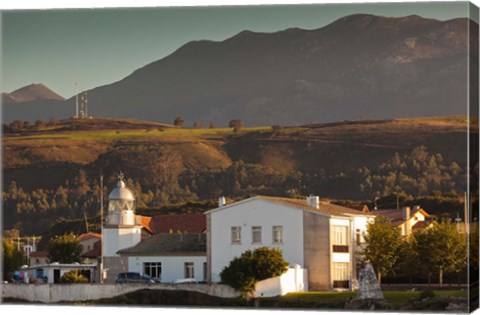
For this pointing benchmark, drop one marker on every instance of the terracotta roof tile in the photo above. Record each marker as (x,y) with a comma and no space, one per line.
(146,222)
(95,252)
(39,254)
(361,207)
(420,225)
(184,223)
(395,215)
(89,235)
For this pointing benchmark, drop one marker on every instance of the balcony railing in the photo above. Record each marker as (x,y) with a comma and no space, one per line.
(341,284)
(340,248)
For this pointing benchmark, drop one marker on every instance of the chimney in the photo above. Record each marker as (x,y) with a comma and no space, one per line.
(313,201)
(406,213)
(221,201)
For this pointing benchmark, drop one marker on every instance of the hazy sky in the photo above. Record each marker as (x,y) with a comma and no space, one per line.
(100,46)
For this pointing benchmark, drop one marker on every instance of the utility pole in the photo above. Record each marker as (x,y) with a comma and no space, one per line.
(101,228)
(466,204)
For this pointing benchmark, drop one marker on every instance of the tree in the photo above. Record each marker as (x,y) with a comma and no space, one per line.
(408,257)
(441,249)
(178,122)
(277,128)
(382,242)
(197,125)
(236,124)
(52,122)
(40,124)
(16,125)
(474,247)
(64,249)
(12,259)
(245,271)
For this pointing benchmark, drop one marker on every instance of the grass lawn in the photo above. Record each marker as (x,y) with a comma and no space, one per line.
(136,133)
(393,297)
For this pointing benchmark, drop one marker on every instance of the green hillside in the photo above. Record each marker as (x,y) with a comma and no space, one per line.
(55,170)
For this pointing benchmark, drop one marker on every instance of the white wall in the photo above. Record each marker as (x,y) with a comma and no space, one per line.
(48,271)
(361,223)
(173,268)
(120,238)
(255,212)
(414,219)
(294,280)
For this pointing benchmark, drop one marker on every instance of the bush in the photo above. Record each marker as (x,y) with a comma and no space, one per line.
(245,271)
(73,277)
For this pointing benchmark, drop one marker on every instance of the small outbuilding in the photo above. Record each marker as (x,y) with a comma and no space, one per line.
(170,258)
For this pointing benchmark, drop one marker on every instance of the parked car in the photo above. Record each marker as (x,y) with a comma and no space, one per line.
(134,277)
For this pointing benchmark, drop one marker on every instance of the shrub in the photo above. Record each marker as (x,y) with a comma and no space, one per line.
(73,277)
(245,271)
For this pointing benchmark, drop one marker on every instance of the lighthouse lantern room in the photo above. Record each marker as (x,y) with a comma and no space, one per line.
(121,229)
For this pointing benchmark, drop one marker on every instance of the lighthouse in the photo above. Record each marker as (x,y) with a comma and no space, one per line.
(120,230)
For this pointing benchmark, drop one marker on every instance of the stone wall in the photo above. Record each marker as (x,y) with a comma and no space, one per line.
(54,293)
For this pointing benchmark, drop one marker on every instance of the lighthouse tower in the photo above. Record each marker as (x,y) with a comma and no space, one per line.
(120,230)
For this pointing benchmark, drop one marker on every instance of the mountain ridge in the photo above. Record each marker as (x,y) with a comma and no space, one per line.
(359,66)
(30,93)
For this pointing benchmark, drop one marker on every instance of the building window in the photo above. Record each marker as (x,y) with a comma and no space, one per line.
(189,271)
(340,275)
(277,236)
(339,241)
(236,235)
(256,234)
(358,236)
(153,269)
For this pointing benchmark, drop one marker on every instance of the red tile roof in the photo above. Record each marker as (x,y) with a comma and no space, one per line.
(359,207)
(39,254)
(184,223)
(420,225)
(89,235)
(145,222)
(396,215)
(95,252)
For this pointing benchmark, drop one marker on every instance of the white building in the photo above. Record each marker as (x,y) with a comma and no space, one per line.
(52,273)
(169,257)
(318,236)
(121,229)
(406,219)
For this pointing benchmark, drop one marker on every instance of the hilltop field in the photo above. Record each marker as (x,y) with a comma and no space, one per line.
(353,160)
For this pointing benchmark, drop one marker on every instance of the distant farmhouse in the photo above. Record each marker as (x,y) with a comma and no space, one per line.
(407,219)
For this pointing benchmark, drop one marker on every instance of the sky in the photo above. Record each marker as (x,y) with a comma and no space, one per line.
(94,47)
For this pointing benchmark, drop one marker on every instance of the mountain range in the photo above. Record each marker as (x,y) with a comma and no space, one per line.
(29,93)
(358,67)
